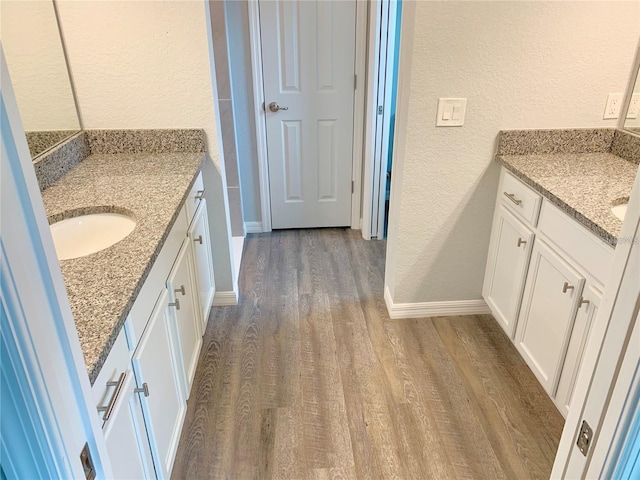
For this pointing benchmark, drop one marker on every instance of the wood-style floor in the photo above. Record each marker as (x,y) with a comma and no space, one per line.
(308,378)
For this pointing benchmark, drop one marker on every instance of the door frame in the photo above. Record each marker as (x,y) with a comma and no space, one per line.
(260,117)
(52,391)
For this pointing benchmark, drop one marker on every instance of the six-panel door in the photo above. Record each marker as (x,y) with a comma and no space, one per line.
(550,301)
(511,243)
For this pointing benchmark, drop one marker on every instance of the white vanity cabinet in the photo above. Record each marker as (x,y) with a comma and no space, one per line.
(156,364)
(185,314)
(507,264)
(550,301)
(203,261)
(147,376)
(542,283)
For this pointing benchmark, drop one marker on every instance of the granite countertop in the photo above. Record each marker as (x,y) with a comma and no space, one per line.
(103,286)
(585,185)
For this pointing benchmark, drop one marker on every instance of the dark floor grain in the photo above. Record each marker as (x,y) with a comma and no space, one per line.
(308,378)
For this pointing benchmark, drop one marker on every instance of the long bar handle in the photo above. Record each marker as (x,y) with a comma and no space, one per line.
(512,197)
(112,403)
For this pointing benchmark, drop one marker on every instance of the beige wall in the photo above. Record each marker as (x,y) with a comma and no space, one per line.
(520,65)
(146,65)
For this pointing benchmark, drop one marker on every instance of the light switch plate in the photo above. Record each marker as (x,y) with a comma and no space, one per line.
(451,112)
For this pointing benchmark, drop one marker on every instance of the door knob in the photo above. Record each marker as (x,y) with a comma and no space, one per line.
(274,107)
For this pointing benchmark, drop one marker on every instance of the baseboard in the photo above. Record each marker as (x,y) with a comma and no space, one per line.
(253,227)
(225,299)
(434,309)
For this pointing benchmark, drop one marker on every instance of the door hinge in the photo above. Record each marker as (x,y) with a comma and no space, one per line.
(355,81)
(379,109)
(352,186)
(584,438)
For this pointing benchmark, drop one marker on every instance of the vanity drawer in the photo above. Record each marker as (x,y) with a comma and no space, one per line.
(585,248)
(117,363)
(195,195)
(519,198)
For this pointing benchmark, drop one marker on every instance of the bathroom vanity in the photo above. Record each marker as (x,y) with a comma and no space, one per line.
(552,244)
(140,305)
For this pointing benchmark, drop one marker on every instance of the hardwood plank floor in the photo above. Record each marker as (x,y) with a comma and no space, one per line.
(309,378)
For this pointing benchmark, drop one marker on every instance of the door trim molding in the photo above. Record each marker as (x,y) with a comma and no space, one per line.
(258,110)
(434,309)
(358,113)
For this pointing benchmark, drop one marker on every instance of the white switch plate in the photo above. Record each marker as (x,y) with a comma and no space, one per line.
(451,112)
(634,106)
(612,108)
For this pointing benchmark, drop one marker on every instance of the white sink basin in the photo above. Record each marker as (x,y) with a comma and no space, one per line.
(80,236)
(619,210)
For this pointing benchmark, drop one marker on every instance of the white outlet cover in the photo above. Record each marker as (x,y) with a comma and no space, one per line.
(612,108)
(451,112)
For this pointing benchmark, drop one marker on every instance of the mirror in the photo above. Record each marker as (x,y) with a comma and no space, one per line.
(37,65)
(632,122)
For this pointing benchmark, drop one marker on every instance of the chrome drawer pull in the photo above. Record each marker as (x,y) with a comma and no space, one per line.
(566,287)
(521,242)
(199,239)
(512,197)
(180,290)
(112,403)
(144,389)
(175,304)
(199,194)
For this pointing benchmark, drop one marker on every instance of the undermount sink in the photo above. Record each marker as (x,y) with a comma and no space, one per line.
(619,210)
(86,234)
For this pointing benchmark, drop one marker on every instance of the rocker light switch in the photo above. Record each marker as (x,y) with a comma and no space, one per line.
(451,112)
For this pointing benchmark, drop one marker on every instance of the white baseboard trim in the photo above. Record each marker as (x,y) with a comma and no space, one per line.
(225,299)
(434,309)
(253,227)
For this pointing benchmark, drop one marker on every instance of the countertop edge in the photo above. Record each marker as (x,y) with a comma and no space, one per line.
(593,227)
(94,371)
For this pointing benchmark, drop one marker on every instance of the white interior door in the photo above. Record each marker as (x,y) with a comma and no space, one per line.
(308,52)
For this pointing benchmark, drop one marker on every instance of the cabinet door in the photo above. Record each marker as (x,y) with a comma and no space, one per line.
(155,364)
(511,243)
(587,311)
(201,241)
(550,300)
(186,314)
(126,436)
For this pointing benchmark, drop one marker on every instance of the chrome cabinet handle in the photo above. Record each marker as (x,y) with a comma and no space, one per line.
(512,197)
(175,304)
(274,107)
(180,290)
(144,389)
(198,239)
(200,194)
(566,287)
(583,301)
(108,409)
(521,242)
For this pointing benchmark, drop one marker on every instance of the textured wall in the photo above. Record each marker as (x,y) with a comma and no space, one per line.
(140,65)
(32,47)
(520,65)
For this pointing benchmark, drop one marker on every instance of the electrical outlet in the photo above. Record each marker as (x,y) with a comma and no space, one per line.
(612,109)
(634,106)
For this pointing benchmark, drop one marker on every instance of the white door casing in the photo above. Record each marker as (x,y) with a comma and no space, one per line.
(308,55)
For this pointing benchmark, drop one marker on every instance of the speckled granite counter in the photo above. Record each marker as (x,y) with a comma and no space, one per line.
(583,184)
(102,287)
